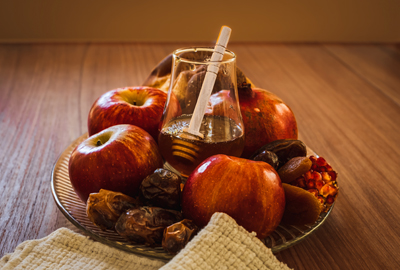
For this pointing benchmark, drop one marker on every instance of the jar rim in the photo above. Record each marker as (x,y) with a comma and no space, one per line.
(179,58)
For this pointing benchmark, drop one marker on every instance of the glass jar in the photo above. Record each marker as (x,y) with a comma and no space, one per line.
(221,131)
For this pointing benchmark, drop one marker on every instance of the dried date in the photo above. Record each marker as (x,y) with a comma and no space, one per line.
(284,149)
(104,208)
(294,168)
(145,225)
(162,189)
(178,235)
(269,157)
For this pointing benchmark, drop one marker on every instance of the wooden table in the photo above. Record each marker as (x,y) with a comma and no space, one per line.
(346,99)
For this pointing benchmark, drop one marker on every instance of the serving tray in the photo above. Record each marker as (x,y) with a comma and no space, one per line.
(74,210)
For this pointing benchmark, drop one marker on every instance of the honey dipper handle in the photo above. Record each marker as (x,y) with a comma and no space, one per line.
(209,81)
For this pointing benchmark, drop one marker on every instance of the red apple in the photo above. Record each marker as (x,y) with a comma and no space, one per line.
(249,191)
(266,117)
(139,106)
(117,159)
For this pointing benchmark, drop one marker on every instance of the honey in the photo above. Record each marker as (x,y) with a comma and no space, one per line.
(184,153)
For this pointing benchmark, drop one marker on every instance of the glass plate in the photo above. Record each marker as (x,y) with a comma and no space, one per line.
(75,211)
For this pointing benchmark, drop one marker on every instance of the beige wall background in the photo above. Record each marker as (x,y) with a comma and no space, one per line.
(188,21)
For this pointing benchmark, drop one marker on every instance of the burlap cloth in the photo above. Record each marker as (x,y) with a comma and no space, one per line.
(222,244)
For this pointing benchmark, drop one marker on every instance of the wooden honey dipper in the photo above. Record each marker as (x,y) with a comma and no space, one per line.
(186,149)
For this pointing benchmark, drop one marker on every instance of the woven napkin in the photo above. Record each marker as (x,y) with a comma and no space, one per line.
(222,244)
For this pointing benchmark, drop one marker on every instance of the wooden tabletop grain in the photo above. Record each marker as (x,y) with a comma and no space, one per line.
(346,99)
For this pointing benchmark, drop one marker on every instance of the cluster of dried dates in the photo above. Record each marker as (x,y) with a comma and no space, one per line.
(153,219)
